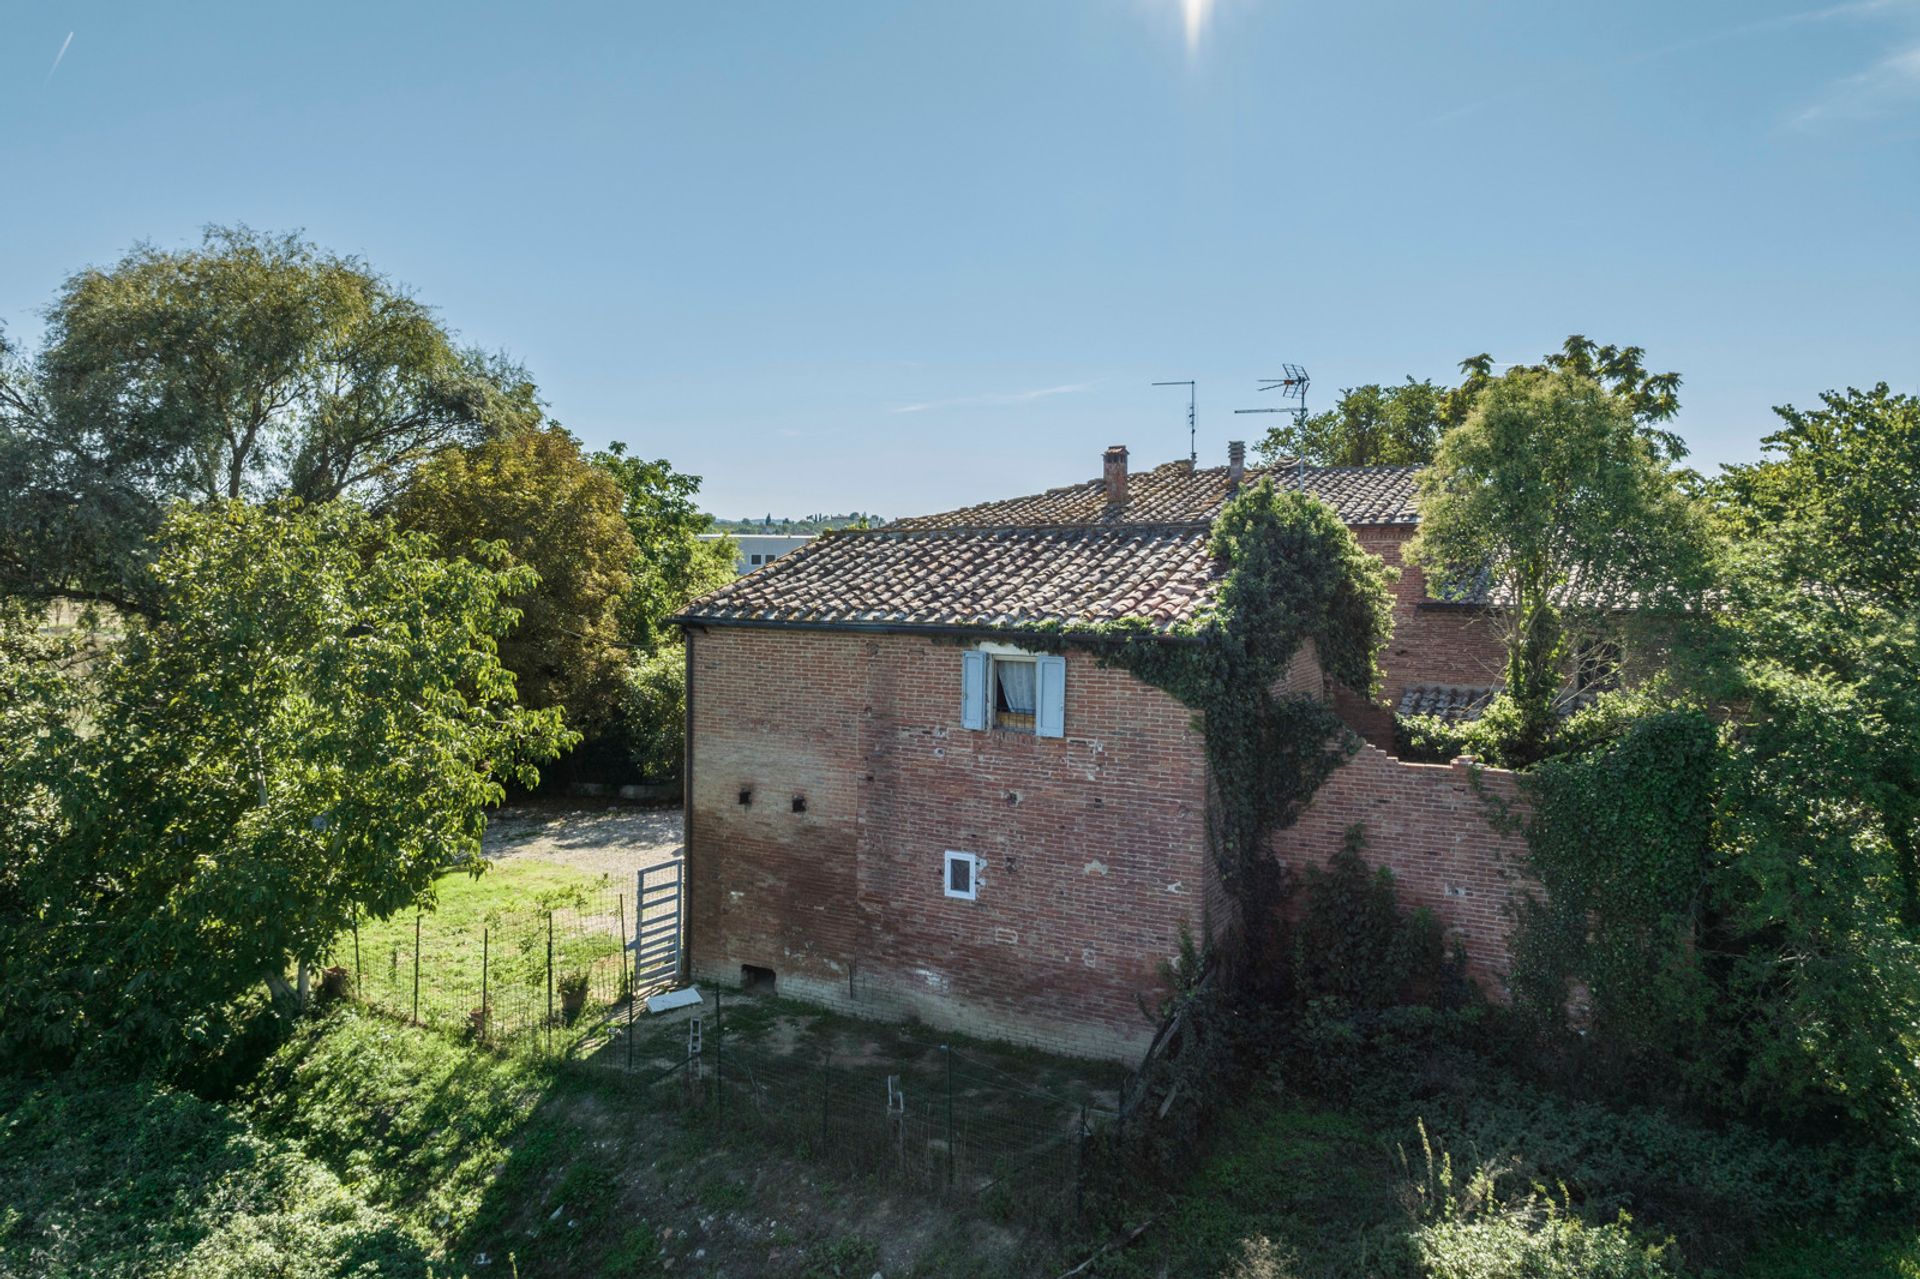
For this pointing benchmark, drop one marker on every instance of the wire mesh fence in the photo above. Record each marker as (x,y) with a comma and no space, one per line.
(556,980)
(531,980)
(931,1119)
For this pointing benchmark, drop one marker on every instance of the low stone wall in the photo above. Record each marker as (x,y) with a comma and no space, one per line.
(1430,826)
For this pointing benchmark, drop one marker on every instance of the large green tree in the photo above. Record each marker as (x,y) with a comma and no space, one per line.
(1368,425)
(1552,507)
(535,496)
(1821,583)
(1376,425)
(311,732)
(672,565)
(251,366)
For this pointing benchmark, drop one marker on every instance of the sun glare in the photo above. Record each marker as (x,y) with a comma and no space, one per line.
(1195,12)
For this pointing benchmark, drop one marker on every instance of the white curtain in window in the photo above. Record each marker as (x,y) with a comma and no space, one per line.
(1016,685)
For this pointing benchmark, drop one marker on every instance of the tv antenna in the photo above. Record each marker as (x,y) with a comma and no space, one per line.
(1291,387)
(1193,451)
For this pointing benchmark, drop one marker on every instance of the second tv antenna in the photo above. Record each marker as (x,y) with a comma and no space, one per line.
(1193,451)
(1291,387)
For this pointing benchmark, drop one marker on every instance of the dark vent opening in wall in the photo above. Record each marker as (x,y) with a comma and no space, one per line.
(799,803)
(756,980)
(746,797)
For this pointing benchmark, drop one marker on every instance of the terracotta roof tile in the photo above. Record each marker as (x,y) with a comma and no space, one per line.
(1062,556)
(1176,491)
(1453,703)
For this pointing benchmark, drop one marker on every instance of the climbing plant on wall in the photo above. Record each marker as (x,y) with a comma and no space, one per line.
(1293,573)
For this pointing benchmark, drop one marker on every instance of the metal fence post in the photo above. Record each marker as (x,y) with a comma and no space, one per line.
(719,1074)
(485,956)
(416,968)
(549,983)
(620,902)
(946,1050)
(826,1091)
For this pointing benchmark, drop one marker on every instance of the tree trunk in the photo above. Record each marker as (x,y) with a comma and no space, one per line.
(282,993)
(306,983)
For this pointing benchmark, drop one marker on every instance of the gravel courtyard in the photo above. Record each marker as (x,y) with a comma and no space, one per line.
(615,840)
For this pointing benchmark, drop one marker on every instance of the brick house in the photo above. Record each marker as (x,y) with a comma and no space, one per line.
(893,807)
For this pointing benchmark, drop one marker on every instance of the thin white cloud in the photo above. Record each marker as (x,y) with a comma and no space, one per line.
(995,398)
(58,56)
(1888,86)
(1653,53)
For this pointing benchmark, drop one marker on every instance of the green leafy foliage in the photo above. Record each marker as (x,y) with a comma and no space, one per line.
(130,1178)
(253,366)
(672,566)
(1369,425)
(534,494)
(312,731)
(1355,950)
(1549,502)
(1537,1239)
(1621,839)
(653,712)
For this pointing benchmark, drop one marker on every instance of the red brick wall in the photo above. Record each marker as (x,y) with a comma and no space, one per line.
(1427,824)
(1093,843)
(1430,645)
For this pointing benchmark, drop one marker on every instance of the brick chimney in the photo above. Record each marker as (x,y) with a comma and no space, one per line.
(1114,463)
(1236,462)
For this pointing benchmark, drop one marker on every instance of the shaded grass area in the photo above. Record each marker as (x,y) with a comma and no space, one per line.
(105,1178)
(1513,1184)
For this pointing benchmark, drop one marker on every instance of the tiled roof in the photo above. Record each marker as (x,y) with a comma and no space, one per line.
(1178,492)
(1061,556)
(977,577)
(1453,703)
(1456,704)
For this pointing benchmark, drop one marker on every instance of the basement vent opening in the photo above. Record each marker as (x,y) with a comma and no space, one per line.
(756,980)
(746,797)
(799,803)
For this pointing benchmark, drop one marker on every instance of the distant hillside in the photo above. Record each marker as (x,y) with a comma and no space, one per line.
(806,524)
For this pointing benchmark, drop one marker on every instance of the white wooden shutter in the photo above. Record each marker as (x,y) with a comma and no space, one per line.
(1050,697)
(973,690)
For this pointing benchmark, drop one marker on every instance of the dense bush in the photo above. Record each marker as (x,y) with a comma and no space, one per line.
(1537,1241)
(653,711)
(116,1178)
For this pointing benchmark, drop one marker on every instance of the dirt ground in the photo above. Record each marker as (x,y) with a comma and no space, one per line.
(595,836)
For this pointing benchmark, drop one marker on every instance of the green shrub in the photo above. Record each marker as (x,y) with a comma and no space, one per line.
(125,1178)
(1537,1240)
(653,711)
(1354,948)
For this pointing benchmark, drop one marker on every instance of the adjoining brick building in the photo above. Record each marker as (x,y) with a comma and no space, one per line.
(893,807)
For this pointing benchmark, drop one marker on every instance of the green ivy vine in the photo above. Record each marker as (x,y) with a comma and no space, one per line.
(1294,574)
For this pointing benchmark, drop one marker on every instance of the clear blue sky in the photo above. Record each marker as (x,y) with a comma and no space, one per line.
(897,256)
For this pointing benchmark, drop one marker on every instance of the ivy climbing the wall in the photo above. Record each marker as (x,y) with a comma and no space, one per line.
(1292,574)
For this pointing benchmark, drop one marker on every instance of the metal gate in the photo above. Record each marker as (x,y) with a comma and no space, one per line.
(659,926)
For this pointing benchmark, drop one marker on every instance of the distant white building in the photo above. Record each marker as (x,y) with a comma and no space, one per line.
(754,550)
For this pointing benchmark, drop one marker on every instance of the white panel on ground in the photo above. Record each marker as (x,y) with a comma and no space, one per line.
(667,1001)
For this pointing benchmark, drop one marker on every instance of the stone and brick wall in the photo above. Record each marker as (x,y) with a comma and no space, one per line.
(1431,645)
(1427,824)
(1093,844)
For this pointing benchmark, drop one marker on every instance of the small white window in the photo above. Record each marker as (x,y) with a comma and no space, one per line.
(963,875)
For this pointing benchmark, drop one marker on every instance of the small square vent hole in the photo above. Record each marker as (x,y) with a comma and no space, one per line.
(756,980)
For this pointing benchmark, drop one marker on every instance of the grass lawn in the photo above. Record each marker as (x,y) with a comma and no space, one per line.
(500,919)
